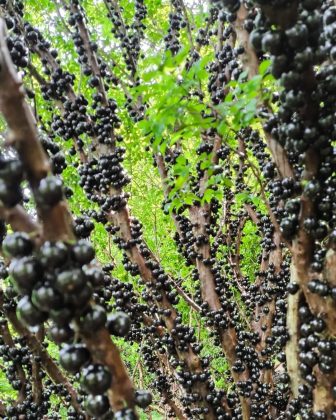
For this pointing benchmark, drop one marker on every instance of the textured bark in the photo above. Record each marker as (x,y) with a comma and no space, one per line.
(249,58)
(20,220)
(121,219)
(251,63)
(2,409)
(23,136)
(106,352)
(293,327)
(56,221)
(228,336)
(37,382)
(303,244)
(176,409)
(324,398)
(191,359)
(274,260)
(199,216)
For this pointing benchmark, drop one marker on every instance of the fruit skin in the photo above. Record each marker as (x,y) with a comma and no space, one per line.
(93,320)
(312,188)
(231,5)
(272,42)
(97,405)
(70,281)
(9,195)
(256,37)
(25,273)
(288,227)
(45,298)
(83,252)
(49,191)
(143,398)
(96,379)
(119,324)
(297,36)
(11,171)
(17,244)
(28,313)
(61,334)
(62,316)
(73,357)
(93,275)
(78,300)
(53,254)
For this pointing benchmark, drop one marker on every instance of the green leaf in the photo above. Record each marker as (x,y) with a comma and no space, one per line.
(264,66)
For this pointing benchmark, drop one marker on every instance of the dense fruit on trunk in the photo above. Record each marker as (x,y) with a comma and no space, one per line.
(167,209)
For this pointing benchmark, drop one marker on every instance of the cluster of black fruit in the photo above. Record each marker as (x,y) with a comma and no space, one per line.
(129,35)
(105,118)
(59,82)
(49,282)
(17,363)
(56,282)
(102,174)
(274,285)
(18,51)
(62,330)
(304,126)
(74,121)
(97,178)
(55,153)
(11,176)
(176,22)
(18,358)
(133,40)
(259,298)
(32,308)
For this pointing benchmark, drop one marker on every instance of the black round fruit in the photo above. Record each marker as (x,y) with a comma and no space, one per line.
(96,379)
(97,405)
(49,191)
(25,273)
(12,171)
(83,252)
(17,244)
(73,357)
(119,324)
(70,281)
(61,334)
(46,297)
(53,254)
(10,195)
(28,313)
(143,398)
(93,320)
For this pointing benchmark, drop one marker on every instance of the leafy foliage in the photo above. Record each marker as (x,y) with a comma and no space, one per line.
(181,159)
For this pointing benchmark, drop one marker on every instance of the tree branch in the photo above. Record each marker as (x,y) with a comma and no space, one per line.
(56,221)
